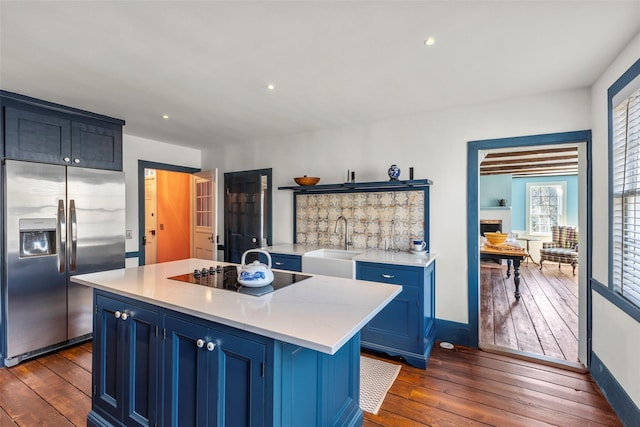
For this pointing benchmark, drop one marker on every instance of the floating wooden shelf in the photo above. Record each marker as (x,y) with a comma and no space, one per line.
(357,186)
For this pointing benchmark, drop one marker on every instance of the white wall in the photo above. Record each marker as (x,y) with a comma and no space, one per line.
(134,149)
(434,143)
(615,334)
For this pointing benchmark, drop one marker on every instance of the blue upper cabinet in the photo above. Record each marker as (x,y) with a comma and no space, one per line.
(42,132)
(405,327)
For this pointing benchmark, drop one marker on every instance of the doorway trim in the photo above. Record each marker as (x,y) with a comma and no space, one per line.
(142,165)
(473,214)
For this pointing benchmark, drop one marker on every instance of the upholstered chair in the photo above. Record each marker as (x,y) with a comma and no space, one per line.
(563,248)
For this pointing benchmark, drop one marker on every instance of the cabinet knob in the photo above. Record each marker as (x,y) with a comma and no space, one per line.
(387,276)
(200,343)
(66,160)
(210,346)
(124,316)
(117,314)
(279,263)
(76,161)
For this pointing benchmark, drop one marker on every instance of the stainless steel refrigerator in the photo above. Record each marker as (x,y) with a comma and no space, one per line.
(58,221)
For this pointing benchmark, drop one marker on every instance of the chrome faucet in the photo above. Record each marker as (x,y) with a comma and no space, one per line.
(346,231)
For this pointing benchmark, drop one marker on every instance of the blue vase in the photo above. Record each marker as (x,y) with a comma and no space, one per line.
(394,172)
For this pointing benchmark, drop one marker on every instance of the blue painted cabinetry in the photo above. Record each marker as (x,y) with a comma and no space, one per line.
(405,327)
(42,132)
(205,365)
(286,262)
(126,354)
(154,366)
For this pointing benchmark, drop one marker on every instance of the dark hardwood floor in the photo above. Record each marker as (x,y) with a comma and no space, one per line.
(468,387)
(545,320)
(460,387)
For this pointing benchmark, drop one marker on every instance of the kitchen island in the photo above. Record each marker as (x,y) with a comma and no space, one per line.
(173,353)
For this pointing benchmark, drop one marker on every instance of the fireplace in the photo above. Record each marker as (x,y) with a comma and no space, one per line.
(490,225)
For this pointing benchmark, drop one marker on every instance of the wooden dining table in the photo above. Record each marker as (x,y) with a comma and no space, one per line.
(514,253)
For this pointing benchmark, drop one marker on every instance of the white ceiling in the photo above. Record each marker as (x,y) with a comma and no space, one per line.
(207,63)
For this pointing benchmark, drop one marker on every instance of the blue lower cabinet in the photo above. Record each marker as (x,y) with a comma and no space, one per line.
(206,364)
(286,262)
(320,389)
(156,367)
(406,326)
(125,363)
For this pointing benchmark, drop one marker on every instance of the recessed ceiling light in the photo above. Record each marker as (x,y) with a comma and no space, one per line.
(430,41)
(165,116)
(270,86)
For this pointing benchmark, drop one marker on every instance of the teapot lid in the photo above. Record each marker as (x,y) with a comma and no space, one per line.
(255,265)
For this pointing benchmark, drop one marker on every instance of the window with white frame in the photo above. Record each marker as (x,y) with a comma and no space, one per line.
(545,206)
(625,156)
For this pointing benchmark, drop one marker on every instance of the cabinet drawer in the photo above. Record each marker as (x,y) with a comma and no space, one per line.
(286,262)
(388,273)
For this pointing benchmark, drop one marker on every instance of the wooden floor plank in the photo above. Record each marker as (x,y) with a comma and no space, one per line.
(487,332)
(544,321)
(548,344)
(525,330)
(429,413)
(59,393)
(505,334)
(66,369)
(561,319)
(78,355)
(503,407)
(557,396)
(25,406)
(5,419)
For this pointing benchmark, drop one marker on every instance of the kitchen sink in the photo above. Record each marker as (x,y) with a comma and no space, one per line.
(330,262)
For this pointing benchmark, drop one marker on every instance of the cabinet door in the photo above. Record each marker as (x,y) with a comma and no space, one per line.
(186,373)
(96,145)
(108,341)
(398,324)
(36,134)
(141,366)
(286,262)
(241,381)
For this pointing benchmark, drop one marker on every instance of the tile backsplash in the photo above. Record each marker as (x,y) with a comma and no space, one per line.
(371,217)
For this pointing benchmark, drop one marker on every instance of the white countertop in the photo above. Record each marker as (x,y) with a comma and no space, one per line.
(321,313)
(367,255)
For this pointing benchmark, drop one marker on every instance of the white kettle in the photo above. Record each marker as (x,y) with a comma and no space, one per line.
(255,274)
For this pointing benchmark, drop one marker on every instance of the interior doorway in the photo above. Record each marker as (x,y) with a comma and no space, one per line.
(247,212)
(150,216)
(176,213)
(524,192)
(476,150)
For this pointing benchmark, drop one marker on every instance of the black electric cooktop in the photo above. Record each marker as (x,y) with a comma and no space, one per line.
(227,278)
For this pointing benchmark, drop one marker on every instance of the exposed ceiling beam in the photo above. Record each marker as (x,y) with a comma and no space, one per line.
(533,152)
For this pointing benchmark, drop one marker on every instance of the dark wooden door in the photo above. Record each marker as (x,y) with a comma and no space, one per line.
(247,216)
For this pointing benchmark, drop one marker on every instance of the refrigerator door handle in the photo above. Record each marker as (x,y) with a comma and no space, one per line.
(61,229)
(73,235)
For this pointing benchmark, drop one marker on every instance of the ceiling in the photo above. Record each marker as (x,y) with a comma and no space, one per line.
(207,64)
(531,161)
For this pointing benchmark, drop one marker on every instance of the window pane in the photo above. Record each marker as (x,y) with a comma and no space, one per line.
(545,207)
(625,154)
